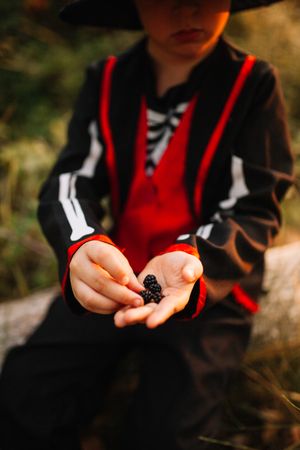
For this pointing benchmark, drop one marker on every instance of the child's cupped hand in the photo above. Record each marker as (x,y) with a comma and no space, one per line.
(177,273)
(102,279)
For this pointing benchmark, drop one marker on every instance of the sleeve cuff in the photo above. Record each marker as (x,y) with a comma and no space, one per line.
(182,248)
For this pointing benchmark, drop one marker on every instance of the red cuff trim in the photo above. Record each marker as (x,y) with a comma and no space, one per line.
(104,238)
(201,299)
(243,298)
(182,248)
(200,302)
(73,248)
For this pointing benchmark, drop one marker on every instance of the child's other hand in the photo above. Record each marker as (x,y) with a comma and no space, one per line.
(177,273)
(102,279)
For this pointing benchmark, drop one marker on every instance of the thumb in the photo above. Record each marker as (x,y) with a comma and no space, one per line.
(134,283)
(191,272)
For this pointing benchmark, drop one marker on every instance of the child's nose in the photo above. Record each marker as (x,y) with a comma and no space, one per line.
(181,4)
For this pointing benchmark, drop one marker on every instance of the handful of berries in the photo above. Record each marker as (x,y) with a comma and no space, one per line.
(152,293)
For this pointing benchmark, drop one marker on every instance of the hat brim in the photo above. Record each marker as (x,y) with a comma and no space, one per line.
(242,5)
(122,14)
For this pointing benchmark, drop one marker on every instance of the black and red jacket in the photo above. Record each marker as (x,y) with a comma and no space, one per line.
(237,168)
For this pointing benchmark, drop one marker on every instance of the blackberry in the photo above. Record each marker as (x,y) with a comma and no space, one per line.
(149,280)
(155,288)
(147,296)
(156,297)
(152,286)
(152,293)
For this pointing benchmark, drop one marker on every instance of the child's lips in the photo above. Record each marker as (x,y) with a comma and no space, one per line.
(188,35)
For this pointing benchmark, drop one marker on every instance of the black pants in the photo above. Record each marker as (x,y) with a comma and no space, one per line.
(56,382)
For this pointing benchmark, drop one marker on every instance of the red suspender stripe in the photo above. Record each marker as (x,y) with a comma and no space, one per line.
(107,136)
(73,248)
(218,132)
(140,142)
(243,298)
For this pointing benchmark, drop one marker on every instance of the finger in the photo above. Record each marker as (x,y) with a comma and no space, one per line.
(112,260)
(119,317)
(93,301)
(132,316)
(167,307)
(134,283)
(100,281)
(191,272)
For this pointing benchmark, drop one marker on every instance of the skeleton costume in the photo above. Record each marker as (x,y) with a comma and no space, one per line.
(201,169)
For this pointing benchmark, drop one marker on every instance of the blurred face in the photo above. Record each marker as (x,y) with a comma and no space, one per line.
(184,28)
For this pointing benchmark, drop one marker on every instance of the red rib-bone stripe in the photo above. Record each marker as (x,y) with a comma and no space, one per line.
(219,130)
(106,130)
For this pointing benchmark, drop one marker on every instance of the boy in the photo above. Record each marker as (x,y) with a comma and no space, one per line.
(187,136)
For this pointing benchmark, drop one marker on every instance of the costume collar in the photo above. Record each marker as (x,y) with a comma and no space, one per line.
(181,92)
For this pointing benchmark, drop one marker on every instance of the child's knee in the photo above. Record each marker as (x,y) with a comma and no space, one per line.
(16,385)
(22,402)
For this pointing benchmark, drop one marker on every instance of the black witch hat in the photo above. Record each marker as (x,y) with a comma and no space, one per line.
(122,14)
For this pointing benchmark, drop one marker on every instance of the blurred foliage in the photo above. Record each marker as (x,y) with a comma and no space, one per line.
(42,64)
(271,421)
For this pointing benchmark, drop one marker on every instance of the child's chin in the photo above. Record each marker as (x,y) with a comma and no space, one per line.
(190,51)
